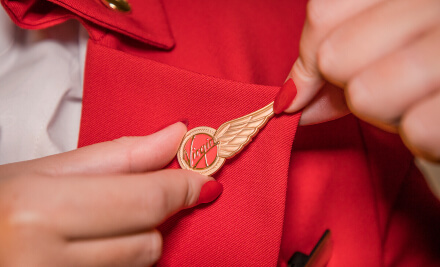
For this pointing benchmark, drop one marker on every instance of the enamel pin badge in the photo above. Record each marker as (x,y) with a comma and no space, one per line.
(205,149)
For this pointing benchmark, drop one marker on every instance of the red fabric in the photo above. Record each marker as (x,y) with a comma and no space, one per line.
(359,182)
(152,29)
(235,228)
(343,175)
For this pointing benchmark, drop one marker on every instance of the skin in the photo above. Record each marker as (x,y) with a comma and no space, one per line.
(385,56)
(94,206)
(100,205)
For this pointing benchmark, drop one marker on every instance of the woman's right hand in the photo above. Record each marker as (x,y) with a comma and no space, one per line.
(98,205)
(386,57)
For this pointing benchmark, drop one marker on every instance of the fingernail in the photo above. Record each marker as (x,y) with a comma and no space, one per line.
(210,191)
(185,121)
(284,97)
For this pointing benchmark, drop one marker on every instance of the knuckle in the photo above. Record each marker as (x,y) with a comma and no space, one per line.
(317,13)
(368,100)
(21,230)
(124,144)
(153,244)
(420,137)
(188,186)
(156,204)
(18,213)
(326,60)
(124,140)
(145,250)
(357,100)
(22,222)
(191,196)
(304,68)
(168,195)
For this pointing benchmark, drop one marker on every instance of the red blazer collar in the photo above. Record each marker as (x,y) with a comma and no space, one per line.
(146,22)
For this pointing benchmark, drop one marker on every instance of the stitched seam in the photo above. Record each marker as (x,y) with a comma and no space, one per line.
(72,9)
(20,22)
(166,19)
(65,17)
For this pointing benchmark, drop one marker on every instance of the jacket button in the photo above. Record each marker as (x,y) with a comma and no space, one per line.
(119,5)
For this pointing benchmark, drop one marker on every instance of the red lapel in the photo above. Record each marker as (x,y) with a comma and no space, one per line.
(139,96)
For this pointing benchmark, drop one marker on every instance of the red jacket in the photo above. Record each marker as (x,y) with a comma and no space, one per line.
(213,61)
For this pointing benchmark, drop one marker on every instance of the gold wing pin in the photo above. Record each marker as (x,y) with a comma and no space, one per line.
(204,149)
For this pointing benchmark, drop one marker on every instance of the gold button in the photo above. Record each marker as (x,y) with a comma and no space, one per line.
(119,5)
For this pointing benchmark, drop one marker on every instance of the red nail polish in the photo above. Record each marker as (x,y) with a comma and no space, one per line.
(185,121)
(210,191)
(284,97)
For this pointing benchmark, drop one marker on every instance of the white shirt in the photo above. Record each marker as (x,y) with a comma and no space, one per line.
(41,77)
(40,89)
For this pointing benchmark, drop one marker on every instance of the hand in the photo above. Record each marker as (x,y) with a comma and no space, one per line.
(98,205)
(386,56)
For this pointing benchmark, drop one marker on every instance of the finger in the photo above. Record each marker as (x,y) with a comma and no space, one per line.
(420,128)
(126,154)
(142,249)
(322,17)
(94,207)
(328,104)
(382,92)
(374,33)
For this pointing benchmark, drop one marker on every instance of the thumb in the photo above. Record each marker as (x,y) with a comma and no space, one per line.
(306,90)
(123,155)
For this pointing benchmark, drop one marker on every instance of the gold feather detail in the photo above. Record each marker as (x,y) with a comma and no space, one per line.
(234,135)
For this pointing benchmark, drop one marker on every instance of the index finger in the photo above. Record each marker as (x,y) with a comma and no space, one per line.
(95,207)
(323,16)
